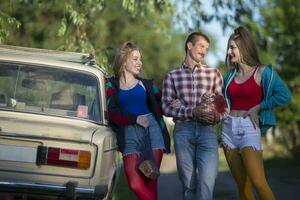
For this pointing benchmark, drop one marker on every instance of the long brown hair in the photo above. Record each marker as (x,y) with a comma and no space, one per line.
(122,55)
(246,45)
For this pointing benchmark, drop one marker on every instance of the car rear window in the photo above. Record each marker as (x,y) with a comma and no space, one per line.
(49,90)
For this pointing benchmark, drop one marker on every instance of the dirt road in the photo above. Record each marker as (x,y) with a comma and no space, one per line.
(283,176)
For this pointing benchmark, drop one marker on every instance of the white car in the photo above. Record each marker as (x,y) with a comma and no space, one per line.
(54,134)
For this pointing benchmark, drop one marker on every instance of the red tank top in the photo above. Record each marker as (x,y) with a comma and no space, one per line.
(244,96)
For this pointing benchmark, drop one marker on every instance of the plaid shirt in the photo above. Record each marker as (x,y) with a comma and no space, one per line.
(183,88)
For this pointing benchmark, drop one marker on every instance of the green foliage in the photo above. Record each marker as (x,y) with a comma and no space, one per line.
(7,25)
(99,27)
(142,7)
(281,36)
(275,25)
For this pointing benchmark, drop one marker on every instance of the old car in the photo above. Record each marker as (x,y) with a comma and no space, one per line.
(55,141)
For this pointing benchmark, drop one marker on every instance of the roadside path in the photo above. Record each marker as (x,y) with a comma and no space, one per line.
(283,176)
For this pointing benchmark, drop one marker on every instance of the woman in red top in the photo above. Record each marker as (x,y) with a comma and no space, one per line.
(240,130)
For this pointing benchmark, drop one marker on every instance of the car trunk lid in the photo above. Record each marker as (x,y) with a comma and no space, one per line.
(28,139)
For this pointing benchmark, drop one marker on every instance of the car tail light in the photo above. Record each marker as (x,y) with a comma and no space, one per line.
(63,157)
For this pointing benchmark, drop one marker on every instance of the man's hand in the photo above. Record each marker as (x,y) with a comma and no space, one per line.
(142,121)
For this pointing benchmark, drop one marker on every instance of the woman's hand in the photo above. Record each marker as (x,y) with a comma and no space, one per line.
(142,121)
(253,114)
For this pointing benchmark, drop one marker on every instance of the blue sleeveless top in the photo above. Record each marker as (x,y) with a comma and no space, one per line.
(134,100)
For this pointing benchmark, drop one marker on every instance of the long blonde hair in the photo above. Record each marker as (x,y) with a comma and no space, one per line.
(247,48)
(122,55)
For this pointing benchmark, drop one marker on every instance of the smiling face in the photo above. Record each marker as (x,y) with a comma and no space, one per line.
(198,50)
(233,52)
(133,63)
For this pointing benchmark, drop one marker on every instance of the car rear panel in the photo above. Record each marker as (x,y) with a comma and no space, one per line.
(19,144)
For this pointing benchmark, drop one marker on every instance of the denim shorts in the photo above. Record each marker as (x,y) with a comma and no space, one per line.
(239,132)
(136,135)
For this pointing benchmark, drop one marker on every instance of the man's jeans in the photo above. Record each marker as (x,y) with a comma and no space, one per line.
(197,158)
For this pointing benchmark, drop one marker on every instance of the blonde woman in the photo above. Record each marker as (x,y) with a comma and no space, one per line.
(134,111)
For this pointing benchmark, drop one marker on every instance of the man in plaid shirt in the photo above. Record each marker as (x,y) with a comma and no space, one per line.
(196,145)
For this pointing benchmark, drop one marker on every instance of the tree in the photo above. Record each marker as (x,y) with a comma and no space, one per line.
(7,24)
(275,25)
(281,36)
(97,26)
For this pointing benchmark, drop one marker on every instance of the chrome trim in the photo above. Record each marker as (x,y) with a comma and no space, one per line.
(27,136)
(99,191)
(111,149)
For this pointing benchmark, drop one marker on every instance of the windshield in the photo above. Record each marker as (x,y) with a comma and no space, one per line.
(49,91)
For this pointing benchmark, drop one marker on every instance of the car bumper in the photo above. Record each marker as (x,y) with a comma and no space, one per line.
(70,190)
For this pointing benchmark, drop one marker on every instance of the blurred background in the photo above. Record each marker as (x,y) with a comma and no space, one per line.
(159,27)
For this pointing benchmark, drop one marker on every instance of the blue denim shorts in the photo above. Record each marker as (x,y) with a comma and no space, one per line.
(239,132)
(136,135)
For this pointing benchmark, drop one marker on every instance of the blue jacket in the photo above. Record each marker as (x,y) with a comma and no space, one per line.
(275,93)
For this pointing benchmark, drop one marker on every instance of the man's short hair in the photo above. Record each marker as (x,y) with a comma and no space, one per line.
(192,38)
